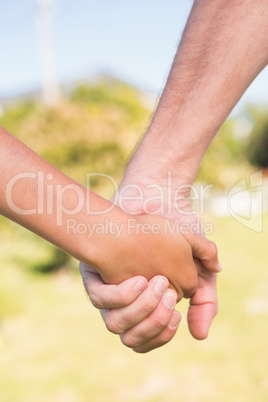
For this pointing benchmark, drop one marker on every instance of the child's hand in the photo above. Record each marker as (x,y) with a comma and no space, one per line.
(147,247)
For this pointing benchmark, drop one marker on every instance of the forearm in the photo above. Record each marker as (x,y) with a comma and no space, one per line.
(39,197)
(223,48)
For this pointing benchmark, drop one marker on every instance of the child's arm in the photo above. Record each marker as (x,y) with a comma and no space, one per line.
(39,197)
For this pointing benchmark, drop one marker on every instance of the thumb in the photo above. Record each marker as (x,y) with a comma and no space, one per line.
(204,304)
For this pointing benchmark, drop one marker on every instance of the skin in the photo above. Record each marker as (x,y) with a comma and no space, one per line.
(52,203)
(223,48)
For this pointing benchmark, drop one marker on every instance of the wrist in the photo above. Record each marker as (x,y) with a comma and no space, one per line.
(152,163)
(103,242)
(169,149)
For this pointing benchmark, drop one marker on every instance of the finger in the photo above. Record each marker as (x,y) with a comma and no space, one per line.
(164,337)
(203,305)
(105,296)
(152,325)
(122,319)
(205,250)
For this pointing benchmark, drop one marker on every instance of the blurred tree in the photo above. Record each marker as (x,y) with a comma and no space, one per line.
(115,93)
(257,148)
(225,159)
(93,132)
(56,259)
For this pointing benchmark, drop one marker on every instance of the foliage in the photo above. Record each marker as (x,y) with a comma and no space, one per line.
(117,94)
(225,159)
(92,132)
(257,148)
(56,260)
(29,252)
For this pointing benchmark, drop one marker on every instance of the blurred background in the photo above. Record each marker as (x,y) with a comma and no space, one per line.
(78,84)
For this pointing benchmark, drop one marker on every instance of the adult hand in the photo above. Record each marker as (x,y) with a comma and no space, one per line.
(146,321)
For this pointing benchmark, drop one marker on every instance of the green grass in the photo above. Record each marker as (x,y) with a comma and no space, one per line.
(54,346)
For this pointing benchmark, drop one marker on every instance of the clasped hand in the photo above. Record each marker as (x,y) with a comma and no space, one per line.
(138,291)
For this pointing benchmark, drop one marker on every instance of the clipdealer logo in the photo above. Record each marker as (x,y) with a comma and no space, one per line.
(50,197)
(245,202)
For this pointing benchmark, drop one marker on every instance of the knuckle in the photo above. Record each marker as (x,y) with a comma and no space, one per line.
(119,320)
(127,320)
(112,325)
(136,340)
(141,350)
(96,301)
(161,322)
(128,341)
(165,337)
(148,306)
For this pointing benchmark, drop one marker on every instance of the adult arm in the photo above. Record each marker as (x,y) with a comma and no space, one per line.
(223,48)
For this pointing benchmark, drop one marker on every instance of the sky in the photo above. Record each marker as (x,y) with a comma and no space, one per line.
(133,40)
